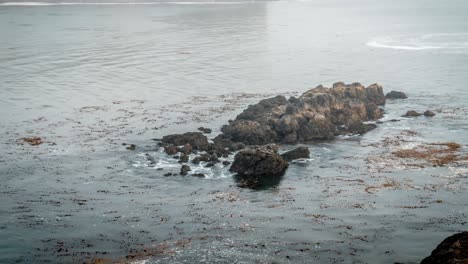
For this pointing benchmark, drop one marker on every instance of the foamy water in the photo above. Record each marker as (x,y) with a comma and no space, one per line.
(436,41)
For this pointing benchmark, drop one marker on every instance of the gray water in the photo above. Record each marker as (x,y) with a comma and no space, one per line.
(89,77)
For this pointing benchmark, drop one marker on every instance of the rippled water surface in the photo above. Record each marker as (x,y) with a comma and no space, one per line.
(88,77)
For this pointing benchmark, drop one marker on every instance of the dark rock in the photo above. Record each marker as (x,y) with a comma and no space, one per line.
(209,165)
(225,163)
(171,149)
(131,147)
(187,149)
(196,140)
(259,161)
(453,250)
(196,160)
(184,158)
(204,130)
(168,174)
(297,153)
(429,113)
(412,113)
(316,114)
(200,175)
(185,169)
(396,95)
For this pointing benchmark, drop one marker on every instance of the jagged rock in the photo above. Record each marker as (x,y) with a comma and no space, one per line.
(453,250)
(316,114)
(196,140)
(297,153)
(412,113)
(185,169)
(261,161)
(204,130)
(396,95)
(429,113)
(171,149)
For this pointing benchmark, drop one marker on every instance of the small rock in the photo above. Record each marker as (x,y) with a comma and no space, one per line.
(131,147)
(168,174)
(187,149)
(171,149)
(297,153)
(204,130)
(200,175)
(396,95)
(412,113)
(183,158)
(429,113)
(185,169)
(209,165)
(225,163)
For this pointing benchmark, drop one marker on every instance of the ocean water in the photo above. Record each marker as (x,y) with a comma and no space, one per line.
(87,77)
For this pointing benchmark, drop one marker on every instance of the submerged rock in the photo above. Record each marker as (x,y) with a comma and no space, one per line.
(396,95)
(204,130)
(429,113)
(261,161)
(185,169)
(412,113)
(195,139)
(297,153)
(320,113)
(453,250)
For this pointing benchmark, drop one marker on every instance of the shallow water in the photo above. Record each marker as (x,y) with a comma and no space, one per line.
(88,78)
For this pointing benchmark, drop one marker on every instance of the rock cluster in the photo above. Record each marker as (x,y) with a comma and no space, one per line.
(320,113)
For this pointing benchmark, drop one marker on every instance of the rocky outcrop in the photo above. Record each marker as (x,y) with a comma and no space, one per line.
(260,161)
(297,153)
(320,113)
(453,250)
(195,139)
(396,95)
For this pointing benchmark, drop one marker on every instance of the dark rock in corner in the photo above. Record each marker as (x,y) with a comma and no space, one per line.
(429,113)
(396,95)
(185,169)
(196,140)
(453,250)
(261,161)
(204,130)
(412,113)
(297,153)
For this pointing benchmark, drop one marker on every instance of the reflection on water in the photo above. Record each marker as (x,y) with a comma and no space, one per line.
(88,78)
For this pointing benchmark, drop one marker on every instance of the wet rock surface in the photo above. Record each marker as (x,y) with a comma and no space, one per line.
(261,161)
(396,95)
(195,139)
(320,113)
(297,153)
(429,113)
(412,113)
(453,250)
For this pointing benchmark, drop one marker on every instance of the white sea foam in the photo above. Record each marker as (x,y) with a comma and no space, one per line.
(439,41)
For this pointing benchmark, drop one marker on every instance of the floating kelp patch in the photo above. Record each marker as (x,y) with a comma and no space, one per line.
(439,154)
(33,141)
